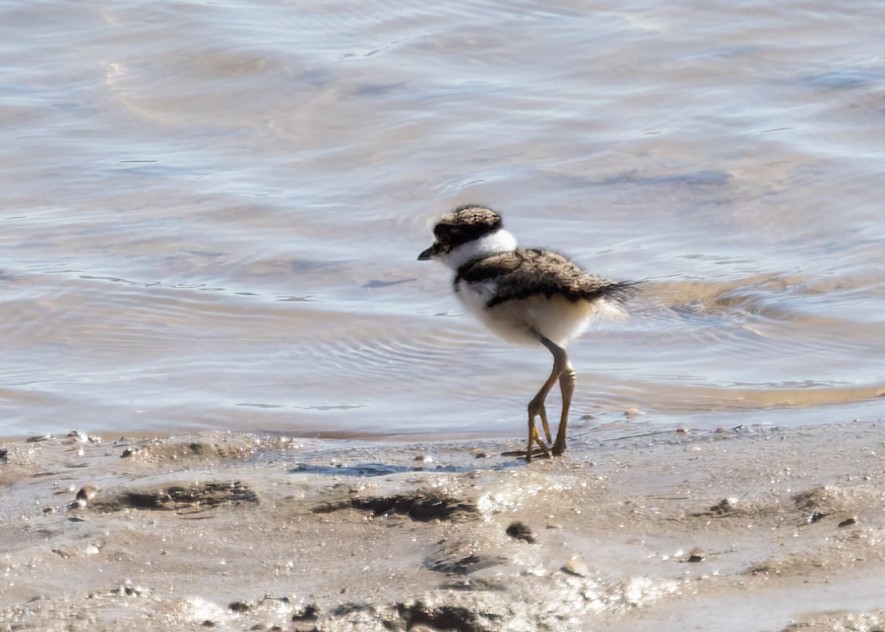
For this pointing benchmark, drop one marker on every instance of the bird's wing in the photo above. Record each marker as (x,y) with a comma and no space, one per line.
(525,273)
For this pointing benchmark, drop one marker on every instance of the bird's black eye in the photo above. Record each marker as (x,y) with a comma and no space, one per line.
(455,235)
(444,232)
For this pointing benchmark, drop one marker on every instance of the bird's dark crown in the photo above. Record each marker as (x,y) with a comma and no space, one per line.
(465,224)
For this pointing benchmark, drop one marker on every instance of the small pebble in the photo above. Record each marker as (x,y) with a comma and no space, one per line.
(848,522)
(632,412)
(577,567)
(79,437)
(521,531)
(696,555)
(87,492)
(724,506)
(239,606)
(308,613)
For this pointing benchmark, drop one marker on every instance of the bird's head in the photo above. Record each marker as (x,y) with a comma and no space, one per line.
(467,233)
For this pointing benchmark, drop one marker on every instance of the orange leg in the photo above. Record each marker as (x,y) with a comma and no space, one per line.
(536,407)
(567,388)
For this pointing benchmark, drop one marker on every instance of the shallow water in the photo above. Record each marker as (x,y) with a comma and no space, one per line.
(210,213)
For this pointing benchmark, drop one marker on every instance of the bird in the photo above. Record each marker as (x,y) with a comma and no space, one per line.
(530,296)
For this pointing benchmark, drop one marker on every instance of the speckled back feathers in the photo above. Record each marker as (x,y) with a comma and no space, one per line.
(523,273)
(466,223)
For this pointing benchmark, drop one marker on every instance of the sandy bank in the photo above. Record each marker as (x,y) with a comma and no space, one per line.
(746,529)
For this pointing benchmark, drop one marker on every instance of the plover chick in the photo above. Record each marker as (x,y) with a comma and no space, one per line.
(527,296)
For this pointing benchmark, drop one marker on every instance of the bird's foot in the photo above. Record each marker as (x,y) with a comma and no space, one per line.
(537,409)
(534,437)
(536,453)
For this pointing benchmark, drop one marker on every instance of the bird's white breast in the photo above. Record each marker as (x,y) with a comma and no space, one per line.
(521,320)
(476,296)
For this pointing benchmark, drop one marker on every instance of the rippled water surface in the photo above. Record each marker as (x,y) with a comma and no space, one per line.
(210,212)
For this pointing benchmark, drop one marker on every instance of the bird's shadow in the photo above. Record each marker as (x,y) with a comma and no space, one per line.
(367,470)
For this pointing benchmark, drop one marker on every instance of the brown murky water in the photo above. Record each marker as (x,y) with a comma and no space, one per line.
(210,213)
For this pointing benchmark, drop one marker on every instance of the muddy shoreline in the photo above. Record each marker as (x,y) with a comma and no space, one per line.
(750,528)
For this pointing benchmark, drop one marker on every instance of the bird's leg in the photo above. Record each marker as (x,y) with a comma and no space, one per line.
(567,388)
(534,437)
(536,406)
(542,413)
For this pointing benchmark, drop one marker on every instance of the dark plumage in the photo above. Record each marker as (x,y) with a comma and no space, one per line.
(523,273)
(466,223)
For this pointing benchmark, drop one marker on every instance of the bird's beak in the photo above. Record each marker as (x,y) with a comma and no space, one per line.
(426,255)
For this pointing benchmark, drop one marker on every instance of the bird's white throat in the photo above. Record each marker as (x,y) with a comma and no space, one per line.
(487,245)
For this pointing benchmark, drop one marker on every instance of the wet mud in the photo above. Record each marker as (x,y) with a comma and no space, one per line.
(753,528)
